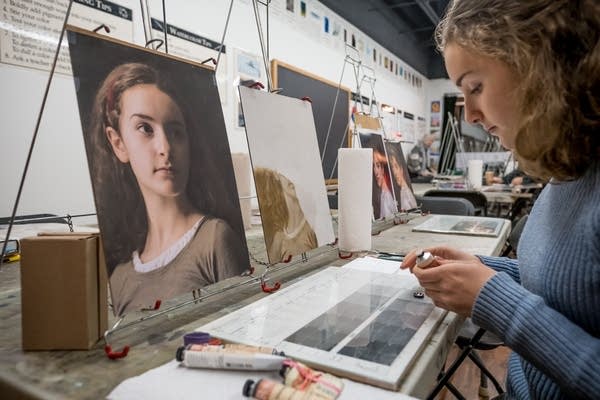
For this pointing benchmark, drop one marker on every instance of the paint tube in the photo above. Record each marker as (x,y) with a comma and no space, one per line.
(322,385)
(234,348)
(226,359)
(266,389)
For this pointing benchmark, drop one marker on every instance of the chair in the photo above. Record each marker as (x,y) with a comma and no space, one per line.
(477,198)
(512,242)
(446,205)
(471,338)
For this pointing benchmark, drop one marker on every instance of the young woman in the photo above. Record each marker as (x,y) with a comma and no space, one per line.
(156,206)
(530,74)
(287,231)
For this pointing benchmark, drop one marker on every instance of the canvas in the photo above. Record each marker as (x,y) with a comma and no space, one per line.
(384,198)
(363,325)
(287,171)
(400,177)
(161,170)
(462,225)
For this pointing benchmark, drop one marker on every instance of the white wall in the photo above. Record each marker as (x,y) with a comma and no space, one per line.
(58,180)
(436,89)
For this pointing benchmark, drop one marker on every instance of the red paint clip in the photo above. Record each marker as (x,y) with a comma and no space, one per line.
(399,221)
(155,307)
(306,98)
(345,256)
(287,260)
(211,60)
(257,85)
(113,355)
(266,289)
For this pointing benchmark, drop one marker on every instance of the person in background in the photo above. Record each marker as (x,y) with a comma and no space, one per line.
(530,75)
(516,177)
(157,207)
(419,159)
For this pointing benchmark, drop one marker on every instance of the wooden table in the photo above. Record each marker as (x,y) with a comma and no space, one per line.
(91,375)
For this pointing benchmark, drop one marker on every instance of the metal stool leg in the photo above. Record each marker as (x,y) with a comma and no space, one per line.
(477,360)
(454,366)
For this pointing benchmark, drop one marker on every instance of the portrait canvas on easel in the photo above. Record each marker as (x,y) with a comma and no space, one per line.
(384,198)
(287,172)
(400,177)
(161,171)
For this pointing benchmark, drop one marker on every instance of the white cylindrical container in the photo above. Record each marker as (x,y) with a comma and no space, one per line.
(475,171)
(355,209)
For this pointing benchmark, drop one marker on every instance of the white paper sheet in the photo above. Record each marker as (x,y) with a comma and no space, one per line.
(170,381)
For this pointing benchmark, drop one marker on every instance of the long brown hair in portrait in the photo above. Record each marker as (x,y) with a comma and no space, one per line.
(116,190)
(557,64)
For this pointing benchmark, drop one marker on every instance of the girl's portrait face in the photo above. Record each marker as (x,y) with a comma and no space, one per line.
(379,166)
(489,87)
(152,138)
(397,170)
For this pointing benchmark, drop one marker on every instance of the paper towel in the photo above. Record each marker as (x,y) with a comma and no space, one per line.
(475,173)
(355,180)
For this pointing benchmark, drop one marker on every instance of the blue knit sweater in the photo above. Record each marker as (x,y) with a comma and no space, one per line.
(546,305)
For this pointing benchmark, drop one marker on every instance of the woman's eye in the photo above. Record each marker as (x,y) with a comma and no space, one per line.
(145,128)
(476,89)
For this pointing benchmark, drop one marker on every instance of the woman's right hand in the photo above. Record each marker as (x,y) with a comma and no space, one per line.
(439,252)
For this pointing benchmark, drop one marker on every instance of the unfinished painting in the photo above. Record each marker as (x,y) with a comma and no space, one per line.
(287,171)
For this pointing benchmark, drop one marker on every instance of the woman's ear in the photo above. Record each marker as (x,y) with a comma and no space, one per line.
(116,142)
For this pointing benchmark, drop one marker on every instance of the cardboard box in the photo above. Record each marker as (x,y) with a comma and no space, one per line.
(63,291)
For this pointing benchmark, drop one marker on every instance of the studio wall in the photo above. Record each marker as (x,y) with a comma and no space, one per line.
(58,178)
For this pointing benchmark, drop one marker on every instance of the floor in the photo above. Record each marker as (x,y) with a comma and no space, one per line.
(466,378)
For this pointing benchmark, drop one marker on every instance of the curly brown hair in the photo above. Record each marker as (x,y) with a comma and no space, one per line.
(553,47)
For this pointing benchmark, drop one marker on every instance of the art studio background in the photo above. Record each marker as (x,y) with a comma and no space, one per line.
(312,40)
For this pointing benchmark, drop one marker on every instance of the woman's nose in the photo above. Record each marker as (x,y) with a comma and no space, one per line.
(473,114)
(162,142)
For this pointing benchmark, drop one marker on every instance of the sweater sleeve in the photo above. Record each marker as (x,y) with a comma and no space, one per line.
(544,337)
(503,264)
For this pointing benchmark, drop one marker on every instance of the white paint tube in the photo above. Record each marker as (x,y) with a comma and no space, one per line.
(229,360)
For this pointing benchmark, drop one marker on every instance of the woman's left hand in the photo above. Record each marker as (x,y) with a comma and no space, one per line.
(454,285)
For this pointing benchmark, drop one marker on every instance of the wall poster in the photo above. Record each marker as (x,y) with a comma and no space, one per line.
(29,31)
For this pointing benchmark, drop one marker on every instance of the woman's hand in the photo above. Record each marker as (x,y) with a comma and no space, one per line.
(440,253)
(452,280)
(454,285)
